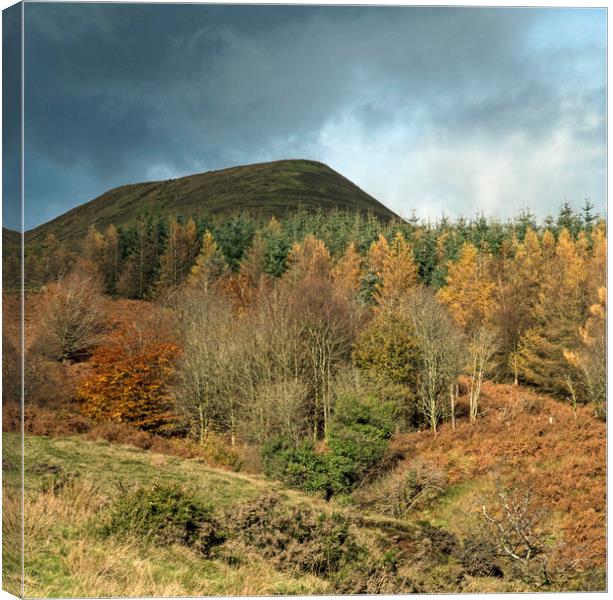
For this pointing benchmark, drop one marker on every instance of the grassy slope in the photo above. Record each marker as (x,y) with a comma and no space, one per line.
(522,439)
(64,557)
(261,189)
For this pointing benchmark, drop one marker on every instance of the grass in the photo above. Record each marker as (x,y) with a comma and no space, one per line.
(11,519)
(67,560)
(66,557)
(138,467)
(265,189)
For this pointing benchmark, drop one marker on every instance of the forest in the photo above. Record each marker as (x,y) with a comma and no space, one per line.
(309,348)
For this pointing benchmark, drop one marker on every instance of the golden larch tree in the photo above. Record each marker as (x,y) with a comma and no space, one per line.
(209,265)
(558,314)
(309,258)
(348,272)
(394,265)
(470,292)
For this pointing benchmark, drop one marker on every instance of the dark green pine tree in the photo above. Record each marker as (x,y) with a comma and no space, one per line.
(525,221)
(588,216)
(234,238)
(568,219)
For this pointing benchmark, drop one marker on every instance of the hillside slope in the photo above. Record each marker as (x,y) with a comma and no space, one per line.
(264,189)
(523,440)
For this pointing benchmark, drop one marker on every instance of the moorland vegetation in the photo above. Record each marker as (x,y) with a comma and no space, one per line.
(364,368)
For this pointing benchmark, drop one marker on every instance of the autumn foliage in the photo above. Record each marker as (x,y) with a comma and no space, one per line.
(132,388)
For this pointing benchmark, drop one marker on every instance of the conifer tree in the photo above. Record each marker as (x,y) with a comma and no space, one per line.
(395,267)
(558,314)
(470,297)
(587,215)
(597,262)
(209,265)
(517,289)
(179,254)
(309,258)
(253,265)
(590,358)
(470,291)
(348,271)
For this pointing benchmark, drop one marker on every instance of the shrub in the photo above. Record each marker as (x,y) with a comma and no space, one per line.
(533,405)
(358,439)
(372,575)
(439,544)
(216,451)
(121,433)
(516,524)
(165,515)
(297,466)
(296,537)
(414,487)
(388,351)
(479,557)
(43,421)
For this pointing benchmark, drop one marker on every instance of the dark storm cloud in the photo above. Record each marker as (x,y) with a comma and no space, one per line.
(431,109)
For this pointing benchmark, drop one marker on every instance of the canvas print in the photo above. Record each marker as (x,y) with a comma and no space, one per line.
(303,300)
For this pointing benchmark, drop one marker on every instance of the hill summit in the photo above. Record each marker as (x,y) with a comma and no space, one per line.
(264,189)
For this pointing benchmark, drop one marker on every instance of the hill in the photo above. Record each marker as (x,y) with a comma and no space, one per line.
(265,189)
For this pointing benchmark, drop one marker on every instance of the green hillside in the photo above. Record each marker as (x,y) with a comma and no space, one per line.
(265,189)
(73,487)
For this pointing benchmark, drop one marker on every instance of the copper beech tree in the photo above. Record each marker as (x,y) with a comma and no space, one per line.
(132,387)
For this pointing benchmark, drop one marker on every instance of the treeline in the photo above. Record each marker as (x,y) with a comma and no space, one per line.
(253,354)
(289,340)
(148,256)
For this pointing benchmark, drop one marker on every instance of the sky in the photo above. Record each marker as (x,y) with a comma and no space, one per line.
(453,111)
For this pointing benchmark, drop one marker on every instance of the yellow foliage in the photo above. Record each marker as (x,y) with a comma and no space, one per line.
(470,290)
(309,258)
(209,264)
(395,267)
(348,271)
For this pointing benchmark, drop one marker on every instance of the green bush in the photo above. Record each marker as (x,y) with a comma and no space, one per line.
(358,439)
(388,351)
(298,466)
(165,515)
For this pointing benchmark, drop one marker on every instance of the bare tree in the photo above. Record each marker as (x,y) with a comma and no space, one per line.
(440,345)
(481,348)
(516,525)
(72,315)
(204,325)
(271,377)
(327,324)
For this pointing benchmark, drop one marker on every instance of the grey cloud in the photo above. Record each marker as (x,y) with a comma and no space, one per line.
(123,93)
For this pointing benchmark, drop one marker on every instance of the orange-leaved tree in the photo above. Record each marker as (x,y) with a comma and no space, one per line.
(309,258)
(132,387)
(394,265)
(347,272)
(559,312)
